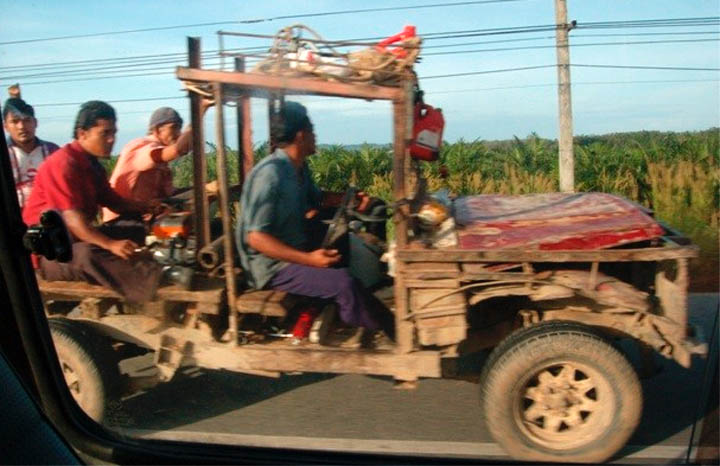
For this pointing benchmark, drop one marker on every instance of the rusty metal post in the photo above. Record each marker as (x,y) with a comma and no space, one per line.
(200,206)
(246,156)
(272,112)
(224,201)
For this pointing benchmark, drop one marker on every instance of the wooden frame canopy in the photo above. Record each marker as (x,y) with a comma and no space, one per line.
(262,85)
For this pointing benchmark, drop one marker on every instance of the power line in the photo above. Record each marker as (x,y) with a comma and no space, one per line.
(258,20)
(116,74)
(163,70)
(428,36)
(669,22)
(625,34)
(639,67)
(528,86)
(427,91)
(472,73)
(528,39)
(533,47)
(145,63)
(93,78)
(144,99)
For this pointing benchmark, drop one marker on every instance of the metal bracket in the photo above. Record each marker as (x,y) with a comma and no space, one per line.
(169,356)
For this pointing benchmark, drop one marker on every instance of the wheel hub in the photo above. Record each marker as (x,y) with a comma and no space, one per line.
(561,403)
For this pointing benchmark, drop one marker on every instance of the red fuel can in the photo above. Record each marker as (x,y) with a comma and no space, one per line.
(304,321)
(427,132)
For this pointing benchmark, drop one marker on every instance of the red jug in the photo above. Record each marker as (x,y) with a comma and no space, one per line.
(427,132)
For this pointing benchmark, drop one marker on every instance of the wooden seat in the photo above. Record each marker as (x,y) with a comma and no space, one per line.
(266,302)
(72,291)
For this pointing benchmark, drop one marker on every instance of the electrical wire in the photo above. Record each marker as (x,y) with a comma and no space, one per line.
(258,20)
(143,65)
(574,83)
(639,67)
(428,36)
(472,73)
(144,99)
(534,47)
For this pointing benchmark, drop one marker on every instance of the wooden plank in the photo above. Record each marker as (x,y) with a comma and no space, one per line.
(429,275)
(80,290)
(433,267)
(441,283)
(471,277)
(514,255)
(266,302)
(255,357)
(431,270)
(262,84)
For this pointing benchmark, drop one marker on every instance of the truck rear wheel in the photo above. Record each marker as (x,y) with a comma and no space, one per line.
(557,391)
(90,371)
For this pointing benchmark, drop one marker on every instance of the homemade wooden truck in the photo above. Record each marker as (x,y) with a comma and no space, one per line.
(555,387)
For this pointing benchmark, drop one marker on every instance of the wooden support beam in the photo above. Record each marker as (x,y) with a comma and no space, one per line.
(515,255)
(246,155)
(200,207)
(404,331)
(261,84)
(323,359)
(224,201)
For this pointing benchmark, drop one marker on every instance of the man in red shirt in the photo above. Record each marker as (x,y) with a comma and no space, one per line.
(73,182)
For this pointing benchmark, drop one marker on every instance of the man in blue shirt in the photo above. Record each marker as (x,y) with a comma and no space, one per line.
(271,236)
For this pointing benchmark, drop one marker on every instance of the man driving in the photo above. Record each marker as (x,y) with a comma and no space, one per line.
(271,233)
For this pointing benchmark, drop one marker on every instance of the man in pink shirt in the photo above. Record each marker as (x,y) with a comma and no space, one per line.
(142,172)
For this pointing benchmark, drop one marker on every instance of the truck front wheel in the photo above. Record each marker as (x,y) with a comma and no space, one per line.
(560,392)
(87,364)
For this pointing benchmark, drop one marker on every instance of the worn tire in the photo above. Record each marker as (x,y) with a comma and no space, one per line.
(87,362)
(558,391)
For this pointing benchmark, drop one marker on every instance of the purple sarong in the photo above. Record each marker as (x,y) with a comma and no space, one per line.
(328,283)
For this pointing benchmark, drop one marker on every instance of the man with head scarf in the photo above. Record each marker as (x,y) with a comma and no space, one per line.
(271,235)
(142,172)
(26,150)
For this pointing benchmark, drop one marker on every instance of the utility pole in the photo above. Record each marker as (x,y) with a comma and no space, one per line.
(565,137)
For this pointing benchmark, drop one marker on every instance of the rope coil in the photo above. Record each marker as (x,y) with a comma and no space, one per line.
(293,55)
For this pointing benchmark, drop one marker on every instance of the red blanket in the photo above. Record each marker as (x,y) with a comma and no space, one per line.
(551,221)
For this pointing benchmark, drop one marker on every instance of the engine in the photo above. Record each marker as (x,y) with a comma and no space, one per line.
(173,245)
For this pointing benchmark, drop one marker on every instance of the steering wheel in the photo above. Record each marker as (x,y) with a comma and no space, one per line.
(338,226)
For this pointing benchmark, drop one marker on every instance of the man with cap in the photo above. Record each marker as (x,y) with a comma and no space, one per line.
(26,150)
(142,172)
(73,182)
(271,234)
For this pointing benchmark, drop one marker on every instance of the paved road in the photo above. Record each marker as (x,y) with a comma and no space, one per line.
(364,413)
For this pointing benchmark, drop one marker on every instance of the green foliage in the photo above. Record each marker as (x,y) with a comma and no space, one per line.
(676,174)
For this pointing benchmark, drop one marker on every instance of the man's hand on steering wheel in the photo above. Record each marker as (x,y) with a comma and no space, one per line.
(337,227)
(323,258)
(363,201)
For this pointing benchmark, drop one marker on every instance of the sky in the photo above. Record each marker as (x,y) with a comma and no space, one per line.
(486,106)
